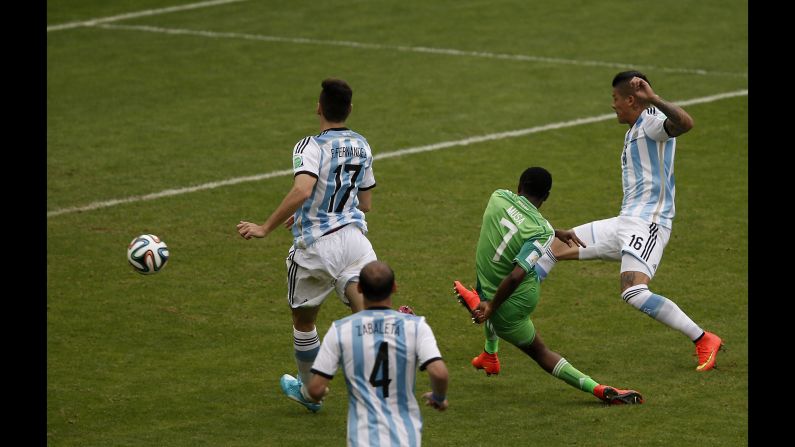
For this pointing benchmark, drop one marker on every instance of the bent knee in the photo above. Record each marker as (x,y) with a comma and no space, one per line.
(629,279)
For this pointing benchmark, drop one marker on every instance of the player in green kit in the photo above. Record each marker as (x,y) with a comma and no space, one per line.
(513,236)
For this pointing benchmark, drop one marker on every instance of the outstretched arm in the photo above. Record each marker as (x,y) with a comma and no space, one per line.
(678,121)
(301,190)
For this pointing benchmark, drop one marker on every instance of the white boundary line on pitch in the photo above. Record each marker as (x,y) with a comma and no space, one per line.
(415,49)
(132,15)
(397,153)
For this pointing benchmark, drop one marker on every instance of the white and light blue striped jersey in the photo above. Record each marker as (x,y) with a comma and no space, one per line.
(379,351)
(647,165)
(342,162)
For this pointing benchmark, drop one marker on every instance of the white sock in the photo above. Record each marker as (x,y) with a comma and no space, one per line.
(661,309)
(306,345)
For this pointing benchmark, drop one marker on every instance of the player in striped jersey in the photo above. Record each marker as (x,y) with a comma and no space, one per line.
(513,236)
(638,235)
(379,351)
(325,210)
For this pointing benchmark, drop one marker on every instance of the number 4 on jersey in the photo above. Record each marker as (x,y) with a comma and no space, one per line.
(382,364)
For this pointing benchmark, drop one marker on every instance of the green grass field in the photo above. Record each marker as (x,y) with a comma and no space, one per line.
(144,103)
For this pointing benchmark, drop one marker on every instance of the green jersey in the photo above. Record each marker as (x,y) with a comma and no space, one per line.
(513,233)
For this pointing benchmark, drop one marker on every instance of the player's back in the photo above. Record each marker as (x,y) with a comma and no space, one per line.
(511,227)
(341,161)
(380,350)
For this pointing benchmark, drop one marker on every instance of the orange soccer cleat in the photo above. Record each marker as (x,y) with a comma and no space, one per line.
(615,396)
(468,298)
(488,362)
(707,348)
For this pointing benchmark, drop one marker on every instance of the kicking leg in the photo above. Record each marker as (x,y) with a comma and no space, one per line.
(555,364)
(600,243)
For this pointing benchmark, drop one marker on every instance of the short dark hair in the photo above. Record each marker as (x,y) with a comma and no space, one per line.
(377,281)
(335,99)
(536,182)
(625,76)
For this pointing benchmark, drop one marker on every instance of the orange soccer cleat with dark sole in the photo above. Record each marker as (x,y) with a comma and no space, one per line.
(615,396)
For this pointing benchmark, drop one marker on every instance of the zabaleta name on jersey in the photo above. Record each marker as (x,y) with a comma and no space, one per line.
(377,327)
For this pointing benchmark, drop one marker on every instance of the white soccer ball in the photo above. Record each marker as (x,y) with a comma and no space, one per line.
(147,254)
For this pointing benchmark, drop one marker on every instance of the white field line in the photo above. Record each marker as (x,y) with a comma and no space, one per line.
(415,49)
(396,153)
(132,15)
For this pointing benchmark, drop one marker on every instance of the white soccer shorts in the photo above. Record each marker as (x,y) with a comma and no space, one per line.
(331,262)
(637,243)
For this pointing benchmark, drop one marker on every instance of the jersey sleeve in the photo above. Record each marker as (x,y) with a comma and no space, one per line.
(531,251)
(328,358)
(368,182)
(306,157)
(653,125)
(427,350)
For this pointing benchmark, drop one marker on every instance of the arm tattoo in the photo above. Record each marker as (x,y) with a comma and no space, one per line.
(678,121)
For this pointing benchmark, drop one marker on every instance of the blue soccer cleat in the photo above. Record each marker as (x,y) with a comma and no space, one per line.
(292,388)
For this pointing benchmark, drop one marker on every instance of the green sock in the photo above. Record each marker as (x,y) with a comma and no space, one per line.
(492,341)
(569,374)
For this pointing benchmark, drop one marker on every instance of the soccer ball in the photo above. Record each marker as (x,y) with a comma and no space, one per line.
(147,254)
